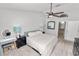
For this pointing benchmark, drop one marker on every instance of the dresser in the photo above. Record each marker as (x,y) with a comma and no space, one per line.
(4,42)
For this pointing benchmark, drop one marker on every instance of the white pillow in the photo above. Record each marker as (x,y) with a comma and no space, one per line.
(30,34)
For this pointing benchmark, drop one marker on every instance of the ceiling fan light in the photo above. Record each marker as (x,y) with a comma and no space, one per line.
(50,16)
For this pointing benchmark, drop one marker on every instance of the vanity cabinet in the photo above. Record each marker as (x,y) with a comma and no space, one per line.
(5,42)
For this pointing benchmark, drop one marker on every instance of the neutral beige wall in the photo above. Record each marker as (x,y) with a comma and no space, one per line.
(27,20)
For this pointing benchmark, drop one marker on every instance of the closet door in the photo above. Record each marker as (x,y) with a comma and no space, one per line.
(71,30)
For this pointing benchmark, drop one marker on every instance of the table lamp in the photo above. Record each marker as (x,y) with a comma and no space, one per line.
(17,30)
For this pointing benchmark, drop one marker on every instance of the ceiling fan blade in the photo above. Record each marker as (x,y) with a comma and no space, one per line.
(64,15)
(56,15)
(59,13)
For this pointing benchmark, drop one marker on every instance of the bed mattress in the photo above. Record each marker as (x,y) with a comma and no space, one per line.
(44,43)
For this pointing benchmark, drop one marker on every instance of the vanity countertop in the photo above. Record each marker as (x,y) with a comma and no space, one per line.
(4,41)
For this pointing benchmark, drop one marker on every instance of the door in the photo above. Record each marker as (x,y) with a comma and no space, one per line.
(72,30)
(61,29)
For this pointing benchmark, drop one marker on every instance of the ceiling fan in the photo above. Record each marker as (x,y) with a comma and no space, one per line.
(58,14)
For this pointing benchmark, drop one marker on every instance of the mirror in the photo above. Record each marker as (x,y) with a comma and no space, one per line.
(51,25)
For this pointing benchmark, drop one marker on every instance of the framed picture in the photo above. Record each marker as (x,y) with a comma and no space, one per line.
(51,25)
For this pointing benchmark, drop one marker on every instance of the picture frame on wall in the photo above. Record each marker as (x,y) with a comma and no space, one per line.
(51,25)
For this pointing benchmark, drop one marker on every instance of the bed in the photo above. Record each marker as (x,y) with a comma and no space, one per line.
(44,43)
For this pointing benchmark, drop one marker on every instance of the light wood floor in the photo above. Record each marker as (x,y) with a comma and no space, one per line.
(63,48)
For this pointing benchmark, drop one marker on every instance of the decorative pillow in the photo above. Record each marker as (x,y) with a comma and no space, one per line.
(30,34)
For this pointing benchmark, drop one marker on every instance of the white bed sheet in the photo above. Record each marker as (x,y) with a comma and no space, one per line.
(44,43)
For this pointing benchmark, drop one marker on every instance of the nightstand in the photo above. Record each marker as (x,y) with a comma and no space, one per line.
(21,41)
(5,43)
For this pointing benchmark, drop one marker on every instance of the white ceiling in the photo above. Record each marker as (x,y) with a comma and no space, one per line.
(72,9)
(38,7)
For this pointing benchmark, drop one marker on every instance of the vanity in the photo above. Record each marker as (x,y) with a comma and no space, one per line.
(6,41)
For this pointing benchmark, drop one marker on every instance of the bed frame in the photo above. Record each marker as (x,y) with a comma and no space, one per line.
(35,50)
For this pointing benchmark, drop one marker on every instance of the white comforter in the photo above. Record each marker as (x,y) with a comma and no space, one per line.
(44,43)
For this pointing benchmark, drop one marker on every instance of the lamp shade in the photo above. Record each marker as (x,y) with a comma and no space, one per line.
(17,29)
